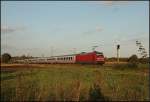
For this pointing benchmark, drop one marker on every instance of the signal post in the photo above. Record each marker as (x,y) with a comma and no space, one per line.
(118,47)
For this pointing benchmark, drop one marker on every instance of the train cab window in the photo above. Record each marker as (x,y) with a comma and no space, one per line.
(99,54)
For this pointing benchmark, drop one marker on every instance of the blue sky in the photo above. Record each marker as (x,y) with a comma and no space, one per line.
(60,27)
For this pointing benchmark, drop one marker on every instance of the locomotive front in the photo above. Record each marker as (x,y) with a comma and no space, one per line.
(100,58)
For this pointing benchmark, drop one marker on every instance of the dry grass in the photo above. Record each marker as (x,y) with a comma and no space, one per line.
(74,83)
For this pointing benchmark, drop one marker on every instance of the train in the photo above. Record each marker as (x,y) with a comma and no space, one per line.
(94,57)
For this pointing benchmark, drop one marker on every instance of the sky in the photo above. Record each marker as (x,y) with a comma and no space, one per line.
(46,28)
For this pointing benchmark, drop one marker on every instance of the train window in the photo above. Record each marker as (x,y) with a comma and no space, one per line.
(99,54)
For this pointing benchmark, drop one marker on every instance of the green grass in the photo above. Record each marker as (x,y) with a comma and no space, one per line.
(74,82)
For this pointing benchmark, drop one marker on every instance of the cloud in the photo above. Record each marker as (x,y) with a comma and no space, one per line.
(110,3)
(11,29)
(97,29)
(114,3)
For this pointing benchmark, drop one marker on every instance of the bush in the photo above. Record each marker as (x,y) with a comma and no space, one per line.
(120,66)
(144,60)
(133,61)
(95,94)
(125,66)
(132,65)
(6,58)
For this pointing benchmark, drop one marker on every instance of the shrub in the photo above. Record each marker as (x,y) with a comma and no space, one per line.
(144,60)
(132,65)
(133,61)
(125,66)
(6,58)
(120,66)
(95,94)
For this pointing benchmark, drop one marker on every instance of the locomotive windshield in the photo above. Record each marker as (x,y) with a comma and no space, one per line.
(99,54)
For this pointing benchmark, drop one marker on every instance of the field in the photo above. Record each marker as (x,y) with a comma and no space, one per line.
(65,82)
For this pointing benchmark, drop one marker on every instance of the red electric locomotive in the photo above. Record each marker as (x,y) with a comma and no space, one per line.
(91,58)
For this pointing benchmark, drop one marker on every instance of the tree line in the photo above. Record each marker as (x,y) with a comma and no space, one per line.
(6,58)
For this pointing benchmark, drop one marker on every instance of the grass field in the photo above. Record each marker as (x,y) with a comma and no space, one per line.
(74,82)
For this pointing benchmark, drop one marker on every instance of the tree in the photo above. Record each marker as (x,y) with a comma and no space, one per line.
(23,57)
(133,58)
(6,57)
(142,51)
(133,61)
